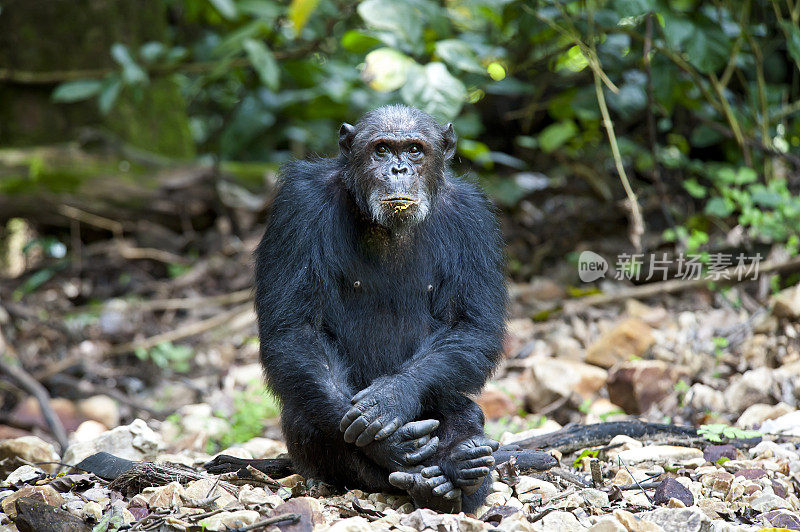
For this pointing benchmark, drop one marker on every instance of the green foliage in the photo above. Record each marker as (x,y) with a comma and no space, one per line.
(250,408)
(717,433)
(166,355)
(267,80)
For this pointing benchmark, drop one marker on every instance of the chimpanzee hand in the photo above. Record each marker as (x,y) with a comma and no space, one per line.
(470,462)
(378,410)
(408,446)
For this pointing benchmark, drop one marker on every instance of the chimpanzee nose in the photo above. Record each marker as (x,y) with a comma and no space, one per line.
(399,169)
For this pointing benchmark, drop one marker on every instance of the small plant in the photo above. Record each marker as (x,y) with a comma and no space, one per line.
(166,355)
(251,408)
(717,432)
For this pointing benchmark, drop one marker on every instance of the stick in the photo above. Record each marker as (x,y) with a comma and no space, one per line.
(293,518)
(24,380)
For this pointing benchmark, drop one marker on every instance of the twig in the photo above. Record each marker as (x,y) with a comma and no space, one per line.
(634,480)
(25,381)
(291,518)
(637,222)
(191,329)
(91,219)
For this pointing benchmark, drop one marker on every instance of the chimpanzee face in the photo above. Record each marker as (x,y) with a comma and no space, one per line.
(395,161)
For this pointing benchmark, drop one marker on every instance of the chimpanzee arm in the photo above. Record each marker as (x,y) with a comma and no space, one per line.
(459,355)
(303,365)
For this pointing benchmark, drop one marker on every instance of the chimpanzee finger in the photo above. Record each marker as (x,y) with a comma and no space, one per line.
(444,488)
(362,394)
(404,481)
(388,429)
(423,453)
(471,452)
(417,429)
(475,473)
(369,433)
(351,415)
(355,429)
(484,461)
(431,471)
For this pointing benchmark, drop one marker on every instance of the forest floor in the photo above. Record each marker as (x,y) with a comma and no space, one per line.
(151,355)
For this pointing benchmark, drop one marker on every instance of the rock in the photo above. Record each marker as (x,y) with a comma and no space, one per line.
(769,501)
(552,378)
(561,521)
(751,473)
(672,489)
(45,494)
(227,520)
(310,511)
(635,523)
(92,512)
(787,424)
(496,404)
(100,408)
(169,496)
(29,413)
(679,519)
(30,449)
(751,387)
(352,524)
(209,487)
(712,453)
(603,410)
(608,524)
(87,431)
(702,398)
(628,338)
(781,519)
(529,489)
(26,474)
(32,515)
(594,498)
(264,447)
(134,442)
(637,385)
(786,303)
(660,454)
(652,316)
(254,498)
(714,508)
(199,422)
(756,414)
(719,481)
(546,428)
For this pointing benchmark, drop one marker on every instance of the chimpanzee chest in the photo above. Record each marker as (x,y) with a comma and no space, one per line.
(382,317)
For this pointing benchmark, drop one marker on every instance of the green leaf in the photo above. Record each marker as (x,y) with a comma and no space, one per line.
(793,42)
(708,49)
(719,207)
(396,17)
(226,8)
(264,62)
(386,69)
(458,54)
(74,91)
(435,91)
(694,188)
(634,8)
(300,11)
(109,95)
(358,42)
(677,29)
(132,73)
(555,135)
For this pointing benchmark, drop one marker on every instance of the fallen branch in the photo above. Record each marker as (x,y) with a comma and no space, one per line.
(25,381)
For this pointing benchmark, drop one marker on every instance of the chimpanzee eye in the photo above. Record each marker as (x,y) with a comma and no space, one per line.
(381,148)
(415,148)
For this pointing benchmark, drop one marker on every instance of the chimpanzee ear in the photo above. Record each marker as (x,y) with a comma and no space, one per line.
(449,138)
(346,134)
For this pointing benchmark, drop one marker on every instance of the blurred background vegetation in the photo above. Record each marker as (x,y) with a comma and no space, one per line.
(700,148)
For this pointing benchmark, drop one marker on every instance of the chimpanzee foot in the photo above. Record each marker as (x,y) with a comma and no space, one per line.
(429,488)
(470,461)
(274,467)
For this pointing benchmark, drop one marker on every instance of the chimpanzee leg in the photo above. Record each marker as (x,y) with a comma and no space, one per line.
(457,477)
(328,457)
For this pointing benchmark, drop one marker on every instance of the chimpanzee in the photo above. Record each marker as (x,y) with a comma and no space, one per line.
(381,302)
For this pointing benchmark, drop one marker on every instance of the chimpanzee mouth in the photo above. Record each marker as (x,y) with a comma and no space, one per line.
(399,203)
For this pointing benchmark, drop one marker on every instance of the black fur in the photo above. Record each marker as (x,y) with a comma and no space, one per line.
(343,301)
